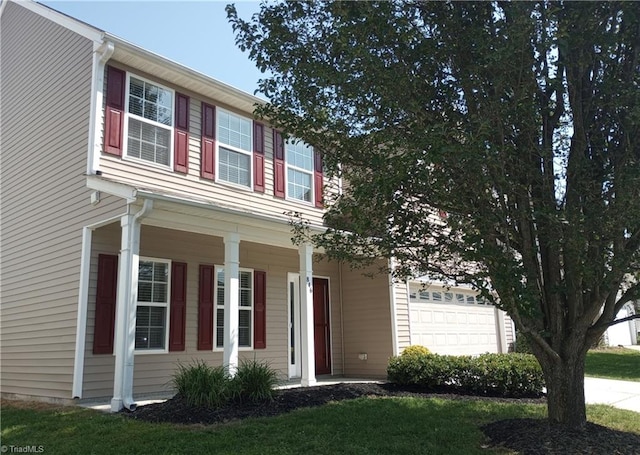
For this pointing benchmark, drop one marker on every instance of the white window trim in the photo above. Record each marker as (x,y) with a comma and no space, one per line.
(127,114)
(311,173)
(218,306)
(233,149)
(166,305)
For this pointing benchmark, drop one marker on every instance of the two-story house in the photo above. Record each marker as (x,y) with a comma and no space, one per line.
(144,224)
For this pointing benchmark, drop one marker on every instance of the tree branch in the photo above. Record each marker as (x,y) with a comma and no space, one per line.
(617,321)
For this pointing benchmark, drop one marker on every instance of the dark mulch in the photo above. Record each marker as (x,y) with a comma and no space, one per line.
(537,437)
(527,436)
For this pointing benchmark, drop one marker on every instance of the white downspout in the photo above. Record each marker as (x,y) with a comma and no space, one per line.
(392,302)
(126,309)
(101,54)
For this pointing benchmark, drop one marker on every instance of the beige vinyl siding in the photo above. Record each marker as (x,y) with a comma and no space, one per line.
(403,327)
(152,372)
(367,323)
(192,185)
(45,85)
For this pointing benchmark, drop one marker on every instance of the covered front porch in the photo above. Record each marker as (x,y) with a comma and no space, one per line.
(243,291)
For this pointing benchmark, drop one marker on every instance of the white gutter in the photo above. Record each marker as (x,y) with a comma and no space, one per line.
(131,194)
(83,303)
(102,52)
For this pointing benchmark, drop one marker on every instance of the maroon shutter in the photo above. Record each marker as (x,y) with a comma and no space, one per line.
(317,179)
(114,111)
(178,306)
(278,165)
(259,309)
(205,308)
(105,304)
(258,157)
(181,140)
(207,157)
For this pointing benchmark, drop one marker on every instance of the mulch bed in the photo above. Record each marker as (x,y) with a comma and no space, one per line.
(527,436)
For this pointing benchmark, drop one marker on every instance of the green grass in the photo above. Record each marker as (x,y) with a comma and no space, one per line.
(613,363)
(361,426)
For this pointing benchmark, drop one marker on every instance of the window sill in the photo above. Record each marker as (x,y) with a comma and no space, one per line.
(150,351)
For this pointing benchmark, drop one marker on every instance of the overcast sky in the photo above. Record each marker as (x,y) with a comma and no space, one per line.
(193,33)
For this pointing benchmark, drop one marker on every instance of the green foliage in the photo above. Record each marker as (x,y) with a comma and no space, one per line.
(205,385)
(522,343)
(415,349)
(202,384)
(254,381)
(507,375)
(520,120)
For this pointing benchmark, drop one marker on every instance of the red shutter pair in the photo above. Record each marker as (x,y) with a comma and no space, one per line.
(208,150)
(279,179)
(206,308)
(106,294)
(114,120)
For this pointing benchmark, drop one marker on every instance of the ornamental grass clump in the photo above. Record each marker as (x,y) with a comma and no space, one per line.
(254,381)
(202,384)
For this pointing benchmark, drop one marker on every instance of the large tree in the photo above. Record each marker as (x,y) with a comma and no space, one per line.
(495,144)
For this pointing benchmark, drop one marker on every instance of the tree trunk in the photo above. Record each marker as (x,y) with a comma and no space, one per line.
(565,390)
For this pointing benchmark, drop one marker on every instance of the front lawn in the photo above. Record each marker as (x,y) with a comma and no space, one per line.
(360,426)
(613,363)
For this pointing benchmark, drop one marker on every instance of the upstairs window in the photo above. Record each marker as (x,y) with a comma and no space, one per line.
(235,142)
(150,121)
(299,162)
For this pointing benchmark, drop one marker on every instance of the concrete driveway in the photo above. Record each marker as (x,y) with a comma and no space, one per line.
(621,394)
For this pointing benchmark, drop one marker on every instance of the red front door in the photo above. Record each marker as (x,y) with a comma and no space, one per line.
(321,334)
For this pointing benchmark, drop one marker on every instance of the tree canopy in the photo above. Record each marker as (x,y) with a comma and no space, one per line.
(489,143)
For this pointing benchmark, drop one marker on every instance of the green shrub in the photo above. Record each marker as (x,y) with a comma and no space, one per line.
(522,343)
(509,375)
(415,349)
(202,384)
(254,381)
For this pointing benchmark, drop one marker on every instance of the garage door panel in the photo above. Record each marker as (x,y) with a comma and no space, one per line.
(454,329)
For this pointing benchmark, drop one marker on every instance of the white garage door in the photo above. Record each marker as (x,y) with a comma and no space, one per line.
(452,322)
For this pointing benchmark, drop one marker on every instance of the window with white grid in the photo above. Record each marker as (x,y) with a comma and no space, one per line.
(245,308)
(152,309)
(299,159)
(235,144)
(149,121)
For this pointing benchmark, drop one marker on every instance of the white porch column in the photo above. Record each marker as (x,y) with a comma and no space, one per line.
(306,315)
(231,300)
(126,313)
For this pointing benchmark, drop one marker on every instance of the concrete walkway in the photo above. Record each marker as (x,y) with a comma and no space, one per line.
(620,394)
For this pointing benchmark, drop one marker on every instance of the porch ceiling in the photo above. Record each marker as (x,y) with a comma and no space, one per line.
(212,221)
